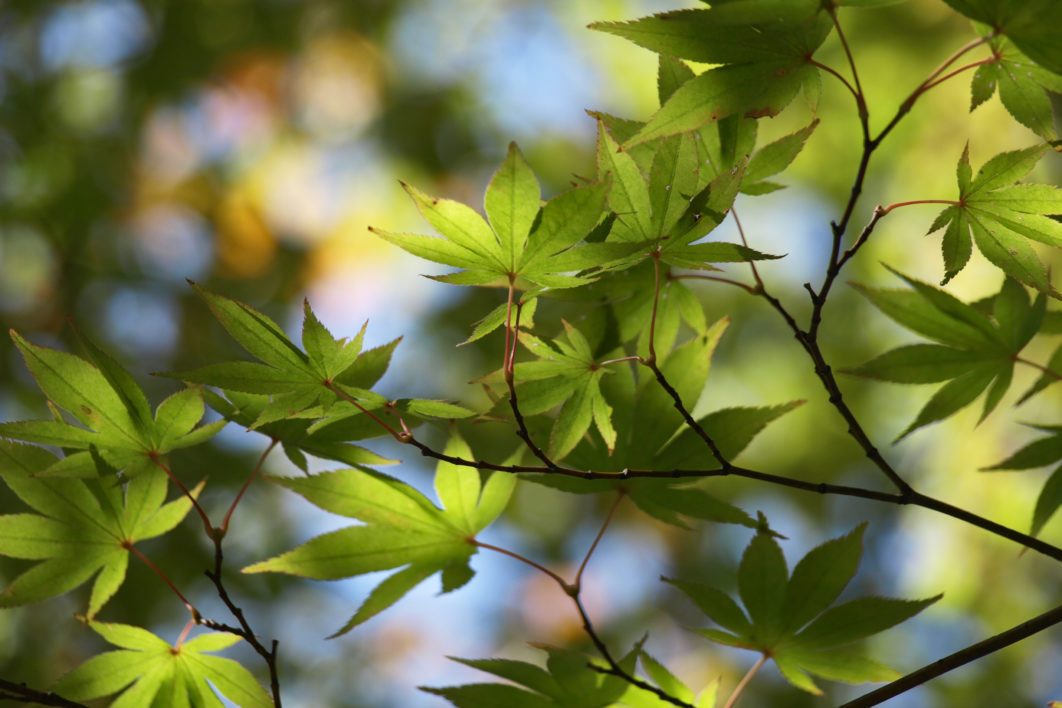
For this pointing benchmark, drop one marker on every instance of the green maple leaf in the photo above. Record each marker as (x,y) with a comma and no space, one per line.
(1040,453)
(793,620)
(565,373)
(328,437)
(1002,216)
(120,431)
(975,351)
(160,674)
(1023,87)
(763,47)
(83,528)
(520,240)
(665,215)
(403,529)
(646,430)
(638,697)
(313,386)
(1035,26)
(772,159)
(296,380)
(329,433)
(567,681)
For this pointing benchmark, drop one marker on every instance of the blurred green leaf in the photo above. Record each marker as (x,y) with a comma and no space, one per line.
(185,674)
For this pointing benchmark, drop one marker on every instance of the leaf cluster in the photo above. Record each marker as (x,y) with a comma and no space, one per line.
(792,619)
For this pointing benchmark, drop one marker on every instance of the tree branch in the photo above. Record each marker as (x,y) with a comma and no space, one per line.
(911,497)
(243,490)
(614,669)
(244,630)
(508,369)
(686,416)
(745,680)
(11,691)
(959,658)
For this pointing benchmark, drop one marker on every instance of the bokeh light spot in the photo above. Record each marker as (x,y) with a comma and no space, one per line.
(94,34)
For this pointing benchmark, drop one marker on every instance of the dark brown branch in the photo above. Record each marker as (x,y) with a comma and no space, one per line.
(879,213)
(728,281)
(244,630)
(911,498)
(11,691)
(833,269)
(690,421)
(959,658)
(573,590)
(512,333)
(614,669)
(855,429)
(809,338)
(1030,542)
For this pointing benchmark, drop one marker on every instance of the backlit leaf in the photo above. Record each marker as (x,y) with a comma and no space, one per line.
(172,676)
(512,204)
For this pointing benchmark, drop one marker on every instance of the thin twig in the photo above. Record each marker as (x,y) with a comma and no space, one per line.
(565,585)
(169,583)
(860,97)
(399,436)
(909,102)
(879,213)
(745,243)
(651,362)
(886,209)
(698,276)
(740,688)
(254,474)
(195,503)
(244,630)
(614,667)
(909,498)
(958,71)
(972,44)
(959,658)
(508,370)
(1048,372)
(652,318)
(834,72)
(686,415)
(597,539)
(573,590)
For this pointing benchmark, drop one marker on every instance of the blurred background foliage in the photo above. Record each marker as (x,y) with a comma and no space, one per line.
(247,144)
